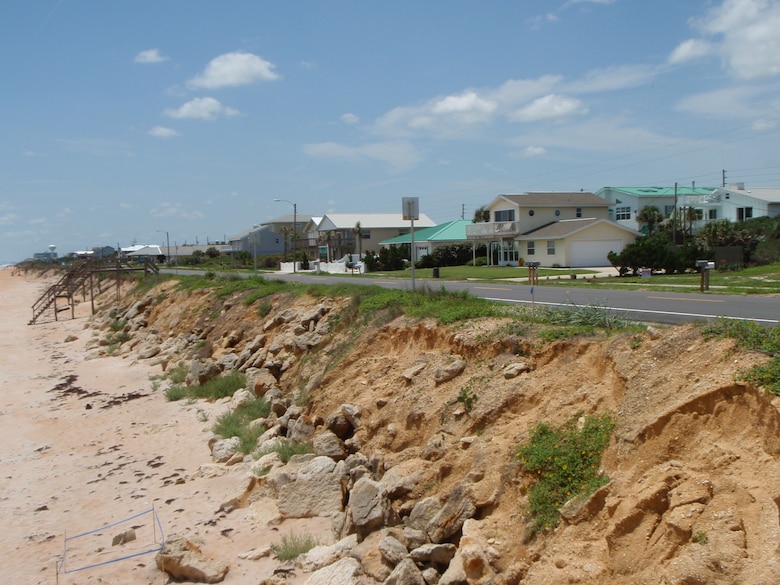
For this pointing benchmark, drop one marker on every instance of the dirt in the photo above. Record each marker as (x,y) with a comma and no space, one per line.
(694,490)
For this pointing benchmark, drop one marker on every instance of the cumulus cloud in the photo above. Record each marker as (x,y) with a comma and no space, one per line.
(529,151)
(150,56)
(549,106)
(350,118)
(163,132)
(400,155)
(8,218)
(233,69)
(206,108)
(723,103)
(745,34)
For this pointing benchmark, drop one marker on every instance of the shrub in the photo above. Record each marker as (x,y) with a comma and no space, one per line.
(565,462)
(286,449)
(293,545)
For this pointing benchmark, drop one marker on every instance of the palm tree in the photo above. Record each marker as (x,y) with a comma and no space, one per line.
(358,231)
(650,216)
(285,231)
(481,215)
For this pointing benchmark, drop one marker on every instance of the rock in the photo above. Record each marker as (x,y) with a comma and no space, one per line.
(440,554)
(392,550)
(329,445)
(126,536)
(414,538)
(515,369)
(313,489)
(260,380)
(338,424)
(202,371)
(149,352)
(240,398)
(448,371)
(368,506)
(183,560)
(345,571)
(322,556)
(405,573)
(301,431)
(223,449)
(423,513)
(402,478)
(409,374)
(228,362)
(240,495)
(458,508)
(576,510)
(352,413)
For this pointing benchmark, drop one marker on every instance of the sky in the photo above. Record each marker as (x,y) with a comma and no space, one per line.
(182,121)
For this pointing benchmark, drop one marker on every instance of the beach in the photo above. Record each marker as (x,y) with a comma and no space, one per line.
(90,446)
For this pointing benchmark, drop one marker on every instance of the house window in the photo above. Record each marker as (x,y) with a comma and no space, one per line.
(623,212)
(712,214)
(531,212)
(668,210)
(551,247)
(557,213)
(744,213)
(579,212)
(530,248)
(365,234)
(698,214)
(504,215)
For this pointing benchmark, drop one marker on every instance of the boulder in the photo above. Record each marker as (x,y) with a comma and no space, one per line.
(405,573)
(301,430)
(223,449)
(202,371)
(515,369)
(228,362)
(458,508)
(183,560)
(368,506)
(345,571)
(314,489)
(423,513)
(392,550)
(329,445)
(449,371)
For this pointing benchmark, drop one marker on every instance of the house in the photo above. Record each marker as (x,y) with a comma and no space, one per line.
(627,202)
(512,217)
(292,226)
(260,240)
(426,240)
(575,242)
(697,205)
(354,233)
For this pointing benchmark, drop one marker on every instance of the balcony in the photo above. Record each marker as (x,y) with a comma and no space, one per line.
(492,230)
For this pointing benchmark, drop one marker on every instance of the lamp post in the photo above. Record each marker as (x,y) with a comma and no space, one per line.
(168,244)
(295,225)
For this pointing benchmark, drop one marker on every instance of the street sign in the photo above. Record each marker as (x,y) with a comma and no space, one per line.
(410,208)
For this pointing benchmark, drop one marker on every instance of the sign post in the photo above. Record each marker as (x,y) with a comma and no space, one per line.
(411,211)
(533,279)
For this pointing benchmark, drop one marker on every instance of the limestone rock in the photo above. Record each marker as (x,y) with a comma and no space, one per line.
(329,445)
(183,560)
(515,369)
(345,571)
(405,573)
(367,505)
(314,489)
(223,449)
(392,550)
(458,508)
(449,371)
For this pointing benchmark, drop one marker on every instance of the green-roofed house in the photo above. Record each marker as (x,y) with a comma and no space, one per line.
(627,202)
(426,240)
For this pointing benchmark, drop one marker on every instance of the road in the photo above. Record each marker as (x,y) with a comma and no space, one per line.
(657,307)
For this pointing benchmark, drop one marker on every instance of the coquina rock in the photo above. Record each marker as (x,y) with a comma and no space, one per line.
(183,560)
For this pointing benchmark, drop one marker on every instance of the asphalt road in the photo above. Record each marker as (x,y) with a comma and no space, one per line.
(657,307)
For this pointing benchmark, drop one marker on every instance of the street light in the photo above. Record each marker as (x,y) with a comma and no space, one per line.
(295,224)
(168,243)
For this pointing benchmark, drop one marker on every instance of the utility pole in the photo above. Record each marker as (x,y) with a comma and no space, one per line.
(723,178)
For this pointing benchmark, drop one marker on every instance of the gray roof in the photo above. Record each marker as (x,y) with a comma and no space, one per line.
(567,227)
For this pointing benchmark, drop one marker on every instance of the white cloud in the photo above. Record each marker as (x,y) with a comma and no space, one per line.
(163,132)
(549,106)
(206,108)
(349,118)
(400,155)
(745,34)
(529,151)
(614,78)
(166,209)
(8,218)
(150,56)
(233,69)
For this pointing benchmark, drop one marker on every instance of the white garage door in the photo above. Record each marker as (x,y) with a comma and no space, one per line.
(593,252)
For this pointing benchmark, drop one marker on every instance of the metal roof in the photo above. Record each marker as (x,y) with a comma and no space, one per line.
(452,231)
(661,191)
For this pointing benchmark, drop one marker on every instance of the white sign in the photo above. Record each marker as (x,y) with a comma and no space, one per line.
(410,207)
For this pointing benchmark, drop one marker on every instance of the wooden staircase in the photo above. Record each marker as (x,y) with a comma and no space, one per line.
(76,278)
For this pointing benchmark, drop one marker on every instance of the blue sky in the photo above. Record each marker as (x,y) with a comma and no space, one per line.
(122,121)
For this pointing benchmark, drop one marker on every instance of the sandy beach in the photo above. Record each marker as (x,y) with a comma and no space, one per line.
(89,442)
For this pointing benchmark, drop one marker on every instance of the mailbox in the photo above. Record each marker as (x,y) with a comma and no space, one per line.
(705,264)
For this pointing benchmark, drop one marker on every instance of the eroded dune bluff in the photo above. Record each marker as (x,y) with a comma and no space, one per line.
(693,452)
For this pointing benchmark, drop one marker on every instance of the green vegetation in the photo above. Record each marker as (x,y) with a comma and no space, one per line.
(468,398)
(293,545)
(285,449)
(700,537)
(236,423)
(219,387)
(752,336)
(565,463)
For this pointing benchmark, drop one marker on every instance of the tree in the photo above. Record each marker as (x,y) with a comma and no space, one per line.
(358,232)
(650,216)
(285,231)
(212,252)
(481,215)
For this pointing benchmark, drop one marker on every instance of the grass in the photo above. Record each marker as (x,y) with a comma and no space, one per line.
(565,463)
(286,449)
(236,423)
(293,545)
(219,387)
(752,336)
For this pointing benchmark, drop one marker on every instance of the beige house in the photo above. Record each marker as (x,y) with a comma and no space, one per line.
(575,242)
(519,224)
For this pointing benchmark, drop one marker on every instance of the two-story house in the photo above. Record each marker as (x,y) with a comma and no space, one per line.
(563,229)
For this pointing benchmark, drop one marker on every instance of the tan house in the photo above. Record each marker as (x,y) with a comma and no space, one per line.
(519,224)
